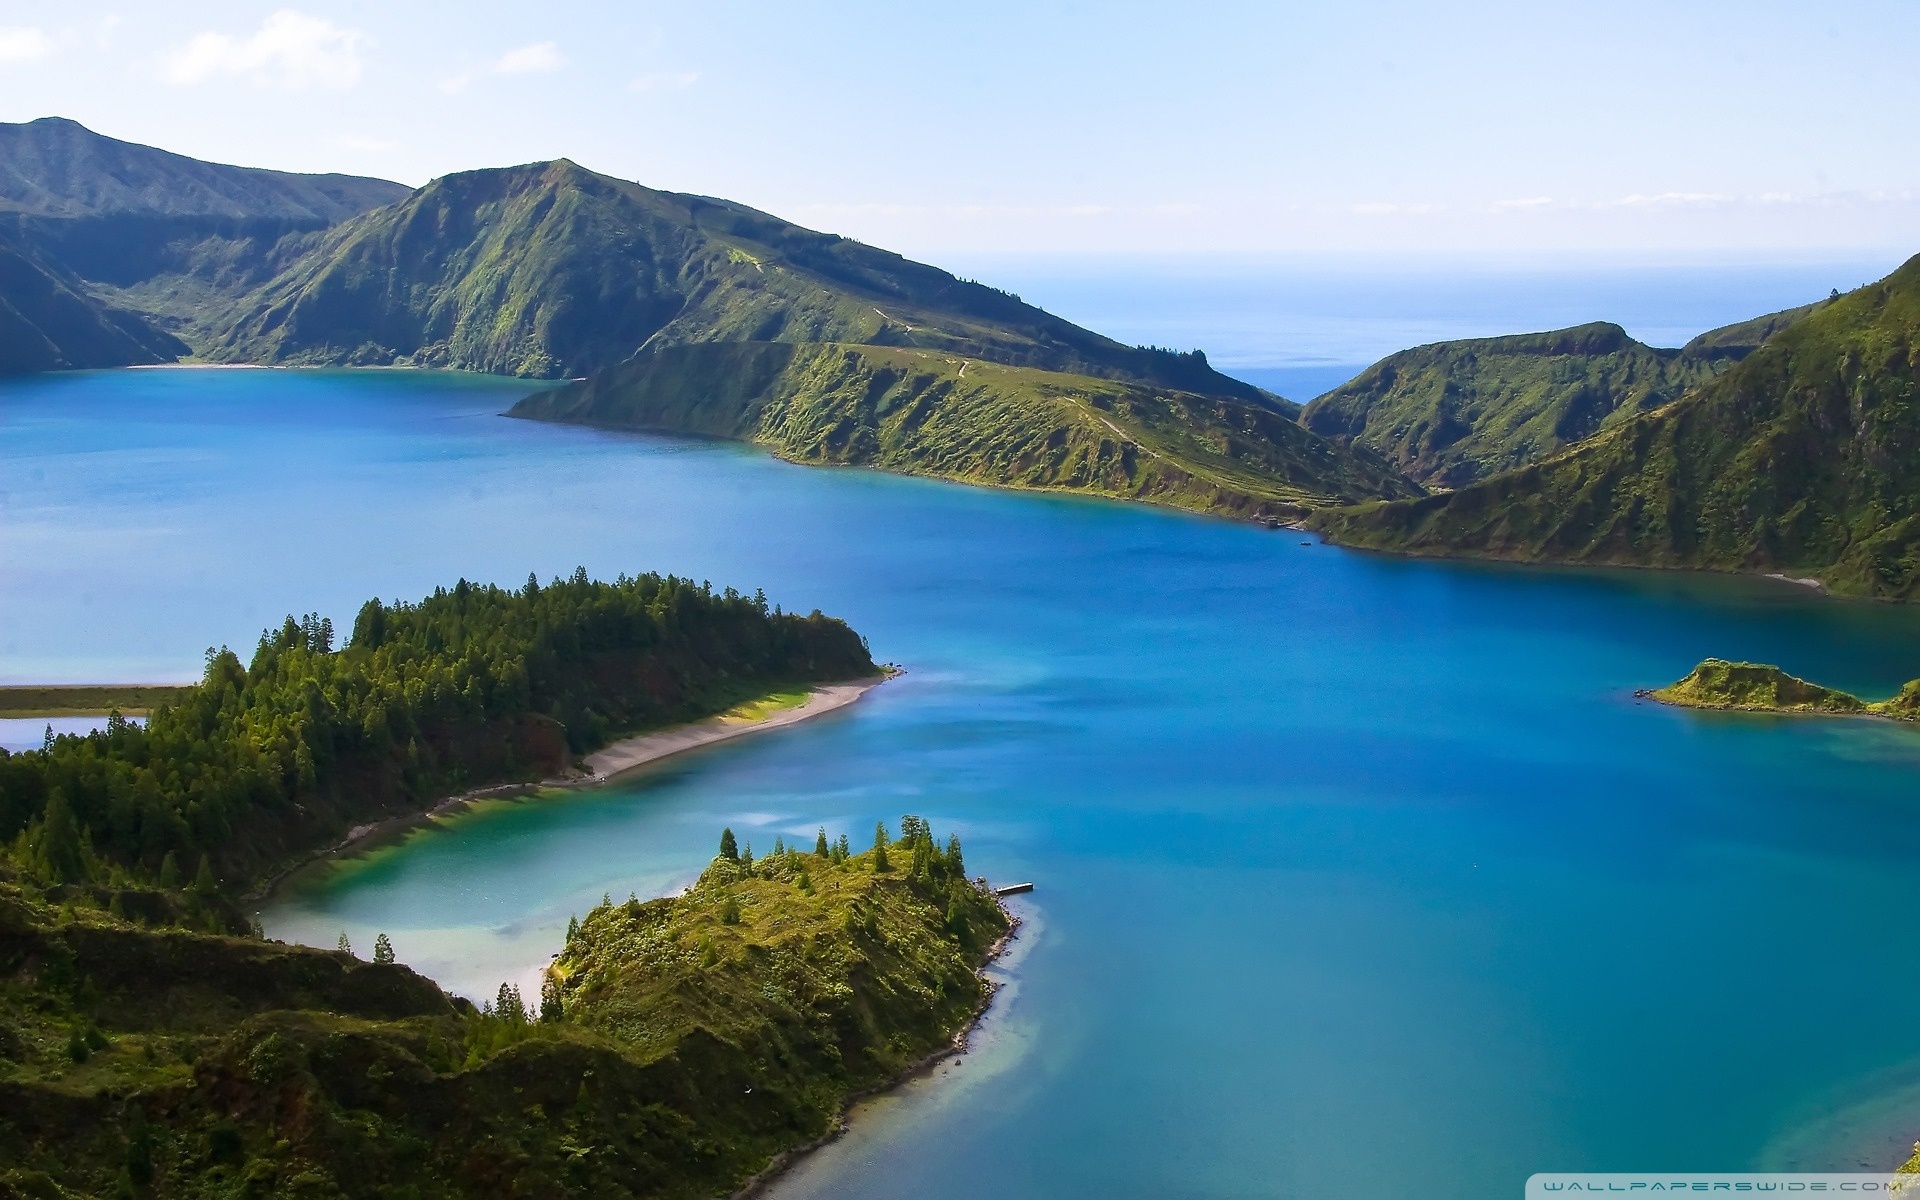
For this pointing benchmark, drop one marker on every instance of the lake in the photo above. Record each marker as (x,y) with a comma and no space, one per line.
(1352,872)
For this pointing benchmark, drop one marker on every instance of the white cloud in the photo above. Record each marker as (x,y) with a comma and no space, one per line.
(540,56)
(23,44)
(453,85)
(290,50)
(1524,202)
(1667,200)
(1378,209)
(665,81)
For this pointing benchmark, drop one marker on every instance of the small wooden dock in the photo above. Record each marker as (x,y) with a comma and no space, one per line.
(1013,889)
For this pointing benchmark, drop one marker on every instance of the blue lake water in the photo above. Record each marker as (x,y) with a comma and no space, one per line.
(1348,867)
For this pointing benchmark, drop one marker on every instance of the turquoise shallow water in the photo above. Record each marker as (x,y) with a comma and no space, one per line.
(1347,866)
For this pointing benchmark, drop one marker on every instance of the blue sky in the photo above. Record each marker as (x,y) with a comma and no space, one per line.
(1757,130)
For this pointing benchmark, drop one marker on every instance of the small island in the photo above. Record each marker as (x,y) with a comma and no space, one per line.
(1760,687)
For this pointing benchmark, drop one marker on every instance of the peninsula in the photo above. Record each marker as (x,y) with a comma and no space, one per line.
(681,1046)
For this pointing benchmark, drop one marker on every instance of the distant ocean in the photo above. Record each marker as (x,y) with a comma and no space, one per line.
(1301,326)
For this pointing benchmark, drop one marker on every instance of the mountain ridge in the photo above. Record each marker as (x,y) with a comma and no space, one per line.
(1451,413)
(1803,458)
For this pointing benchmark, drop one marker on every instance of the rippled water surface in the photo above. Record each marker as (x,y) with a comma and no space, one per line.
(1345,865)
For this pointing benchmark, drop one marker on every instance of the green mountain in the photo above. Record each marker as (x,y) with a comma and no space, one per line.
(1454,412)
(927,412)
(550,270)
(110,250)
(1802,458)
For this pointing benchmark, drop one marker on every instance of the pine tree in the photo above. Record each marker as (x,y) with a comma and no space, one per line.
(551,1008)
(729,848)
(169,872)
(746,856)
(779,847)
(956,865)
(57,852)
(820,847)
(842,848)
(204,884)
(508,1006)
(345,946)
(573,929)
(382,949)
(880,862)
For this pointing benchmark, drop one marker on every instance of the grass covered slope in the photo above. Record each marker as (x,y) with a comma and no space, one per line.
(930,413)
(551,270)
(804,976)
(1803,458)
(1758,687)
(692,1040)
(1452,413)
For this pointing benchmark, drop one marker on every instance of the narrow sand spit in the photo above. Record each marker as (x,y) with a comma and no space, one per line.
(624,756)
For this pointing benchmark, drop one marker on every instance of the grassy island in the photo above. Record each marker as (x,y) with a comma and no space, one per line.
(1758,687)
(680,1046)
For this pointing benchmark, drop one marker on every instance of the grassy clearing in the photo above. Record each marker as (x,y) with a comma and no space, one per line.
(87,700)
(766,706)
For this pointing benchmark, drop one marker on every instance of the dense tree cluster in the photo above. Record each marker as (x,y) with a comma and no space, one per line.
(473,685)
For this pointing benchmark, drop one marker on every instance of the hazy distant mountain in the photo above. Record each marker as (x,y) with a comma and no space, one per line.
(1454,412)
(1803,458)
(49,321)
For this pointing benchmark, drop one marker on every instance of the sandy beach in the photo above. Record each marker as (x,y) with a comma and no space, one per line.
(633,752)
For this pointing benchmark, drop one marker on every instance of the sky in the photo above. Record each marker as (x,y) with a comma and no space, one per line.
(1756,131)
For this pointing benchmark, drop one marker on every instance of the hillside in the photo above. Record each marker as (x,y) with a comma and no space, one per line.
(143,240)
(1803,458)
(50,321)
(929,413)
(1451,413)
(550,270)
(694,1039)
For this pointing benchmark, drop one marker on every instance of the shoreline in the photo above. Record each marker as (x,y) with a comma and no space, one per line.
(770,1174)
(605,765)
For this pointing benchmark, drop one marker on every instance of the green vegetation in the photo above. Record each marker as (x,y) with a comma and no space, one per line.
(928,413)
(552,271)
(261,764)
(1758,687)
(49,321)
(1803,458)
(1455,412)
(86,700)
(673,1052)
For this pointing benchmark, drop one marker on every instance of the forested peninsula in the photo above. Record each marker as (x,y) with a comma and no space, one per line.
(264,762)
